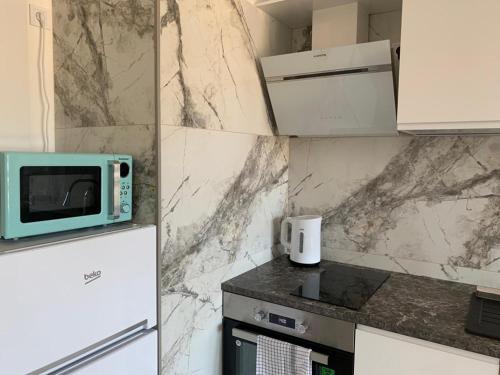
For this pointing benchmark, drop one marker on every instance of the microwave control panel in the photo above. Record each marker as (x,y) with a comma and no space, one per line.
(125,188)
(125,192)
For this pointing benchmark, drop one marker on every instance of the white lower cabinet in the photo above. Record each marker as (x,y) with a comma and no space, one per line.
(385,353)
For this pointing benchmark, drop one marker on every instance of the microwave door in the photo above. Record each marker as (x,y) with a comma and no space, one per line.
(59,192)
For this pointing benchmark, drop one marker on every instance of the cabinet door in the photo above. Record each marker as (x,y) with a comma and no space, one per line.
(59,299)
(384,353)
(450,65)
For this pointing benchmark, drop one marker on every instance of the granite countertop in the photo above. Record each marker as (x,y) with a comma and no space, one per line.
(420,307)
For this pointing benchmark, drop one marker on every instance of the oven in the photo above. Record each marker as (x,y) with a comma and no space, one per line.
(331,340)
(50,192)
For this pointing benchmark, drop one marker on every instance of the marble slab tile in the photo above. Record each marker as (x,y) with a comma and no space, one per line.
(138,141)
(210,69)
(388,262)
(427,199)
(223,196)
(104,62)
(192,320)
(302,39)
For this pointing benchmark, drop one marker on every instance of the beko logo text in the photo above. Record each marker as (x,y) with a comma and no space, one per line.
(93,276)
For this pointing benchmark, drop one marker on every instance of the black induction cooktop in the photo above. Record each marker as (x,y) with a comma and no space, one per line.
(341,285)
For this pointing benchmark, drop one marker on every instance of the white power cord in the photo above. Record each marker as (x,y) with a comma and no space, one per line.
(43,89)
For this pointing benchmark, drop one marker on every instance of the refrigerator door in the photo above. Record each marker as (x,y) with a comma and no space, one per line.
(62,301)
(135,356)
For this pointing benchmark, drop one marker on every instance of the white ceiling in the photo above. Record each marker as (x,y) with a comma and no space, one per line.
(298,13)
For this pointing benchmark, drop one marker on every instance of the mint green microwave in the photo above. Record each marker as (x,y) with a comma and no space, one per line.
(50,192)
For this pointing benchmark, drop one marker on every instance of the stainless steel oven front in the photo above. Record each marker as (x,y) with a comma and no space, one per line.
(331,340)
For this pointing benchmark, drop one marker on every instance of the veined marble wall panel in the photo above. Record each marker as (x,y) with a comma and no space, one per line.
(210,69)
(104,62)
(223,173)
(192,331)
(302,39)
(104,86)
(428,200)
(223,197)
(139,141)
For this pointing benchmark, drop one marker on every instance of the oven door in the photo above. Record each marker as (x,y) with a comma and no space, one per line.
(240,351)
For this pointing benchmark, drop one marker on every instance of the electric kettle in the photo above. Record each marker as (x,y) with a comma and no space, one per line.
(301,237)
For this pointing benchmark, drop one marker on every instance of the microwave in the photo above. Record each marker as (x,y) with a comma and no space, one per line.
(51,192)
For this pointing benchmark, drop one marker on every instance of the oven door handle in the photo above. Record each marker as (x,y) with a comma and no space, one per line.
(252,337)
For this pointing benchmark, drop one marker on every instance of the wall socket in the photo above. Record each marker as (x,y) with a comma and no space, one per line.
(34,9)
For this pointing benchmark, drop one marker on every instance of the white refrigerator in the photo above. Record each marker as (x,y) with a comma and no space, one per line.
(83,305)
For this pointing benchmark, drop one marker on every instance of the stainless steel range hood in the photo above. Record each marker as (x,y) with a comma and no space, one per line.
(341,91)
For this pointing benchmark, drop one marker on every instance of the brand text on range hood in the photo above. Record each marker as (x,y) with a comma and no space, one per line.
(342,91)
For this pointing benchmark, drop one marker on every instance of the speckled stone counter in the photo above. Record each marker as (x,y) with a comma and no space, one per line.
(420,307)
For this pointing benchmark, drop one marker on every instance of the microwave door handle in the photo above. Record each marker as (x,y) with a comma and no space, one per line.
(115,191)
(252,337)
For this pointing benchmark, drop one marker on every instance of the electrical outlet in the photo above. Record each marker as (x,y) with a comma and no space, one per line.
(34,21)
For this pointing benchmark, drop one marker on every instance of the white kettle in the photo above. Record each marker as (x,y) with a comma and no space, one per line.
(301,236)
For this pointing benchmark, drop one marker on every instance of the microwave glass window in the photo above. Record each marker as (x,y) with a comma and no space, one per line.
(49,193)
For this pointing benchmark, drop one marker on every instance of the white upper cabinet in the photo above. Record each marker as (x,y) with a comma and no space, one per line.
(449,78)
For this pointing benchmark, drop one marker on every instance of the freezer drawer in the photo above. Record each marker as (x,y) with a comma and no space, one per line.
(135,356)
(61,300)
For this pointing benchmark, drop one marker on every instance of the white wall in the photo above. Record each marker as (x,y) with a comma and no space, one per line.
(20,97)
(270,36)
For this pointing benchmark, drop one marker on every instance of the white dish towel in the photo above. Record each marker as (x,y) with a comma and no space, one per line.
(275,357)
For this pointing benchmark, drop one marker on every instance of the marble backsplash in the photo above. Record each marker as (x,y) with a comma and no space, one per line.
(223,196)
(302,39)
(138,141)
(223,173)
(210,68)
(104,62)
(423,205)
(104,73)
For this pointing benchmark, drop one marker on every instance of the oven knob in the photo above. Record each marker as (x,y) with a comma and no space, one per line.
(259,316)
(125,208)
(301,329)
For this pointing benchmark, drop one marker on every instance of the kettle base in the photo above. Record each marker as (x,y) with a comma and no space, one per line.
(297,264)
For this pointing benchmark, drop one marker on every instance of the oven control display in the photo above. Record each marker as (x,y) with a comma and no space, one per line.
(282,320)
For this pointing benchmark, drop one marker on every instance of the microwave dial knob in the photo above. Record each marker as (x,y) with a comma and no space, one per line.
(260,316)
(124,170)
(125,208)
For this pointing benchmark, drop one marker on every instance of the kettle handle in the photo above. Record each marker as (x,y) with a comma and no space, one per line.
(284,233)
